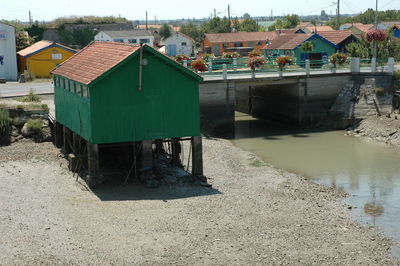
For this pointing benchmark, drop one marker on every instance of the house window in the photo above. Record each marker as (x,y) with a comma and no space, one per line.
(144,40)
(238,44)
(224,45)
(78,89)
(184,43)
(56,56)
(72,86)
(259,43)
(288,52)
(118,40)
(132,41)
(250,44)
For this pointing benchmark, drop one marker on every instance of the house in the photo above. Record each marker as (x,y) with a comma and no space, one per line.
(290,44)
(116,93)
(387,25)
(340,38)
(43,56)
(217,43)
(396,30)
(316,29)
(358,29)
(126,36)
(8,59)
(178,43)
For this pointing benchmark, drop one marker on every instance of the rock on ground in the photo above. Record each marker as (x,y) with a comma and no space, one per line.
(252,216)
(379,128)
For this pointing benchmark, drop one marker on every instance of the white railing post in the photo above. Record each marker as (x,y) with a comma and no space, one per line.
(185,63)
(253,74)
(224,71)
(373,64)
(234,64)
(390,67)
(308,66)
(355,65)
(210,66)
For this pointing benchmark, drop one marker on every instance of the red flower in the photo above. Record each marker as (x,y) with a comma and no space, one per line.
(199,65)
(376,35)
(283,60)
(255,62)
(181,57)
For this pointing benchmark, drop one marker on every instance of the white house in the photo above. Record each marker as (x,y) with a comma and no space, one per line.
(178,43)
(126,36)
(8,53)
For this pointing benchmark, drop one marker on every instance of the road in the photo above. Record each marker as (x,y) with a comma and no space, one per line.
(11,89)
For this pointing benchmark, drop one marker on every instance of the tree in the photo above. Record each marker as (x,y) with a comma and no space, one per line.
(192,30)
(307,46)
(289,21)
(22,40)
(216,25)
(249,25)
(165,31)
(246,16)
(36,31)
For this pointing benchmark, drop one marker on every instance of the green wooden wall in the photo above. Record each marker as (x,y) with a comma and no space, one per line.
(167,106)
(72,106)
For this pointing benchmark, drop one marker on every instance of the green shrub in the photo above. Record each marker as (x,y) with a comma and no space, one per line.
(20,107)
(396,75)
(31,97)
(45,107)
(35,125)
(5,126)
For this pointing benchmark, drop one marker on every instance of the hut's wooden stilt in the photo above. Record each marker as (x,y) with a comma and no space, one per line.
(94,178)
(58,134)
(67,140)
(197,158)
(146,161)
(176,150)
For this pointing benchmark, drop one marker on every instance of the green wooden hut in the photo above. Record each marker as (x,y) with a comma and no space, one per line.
(117,93)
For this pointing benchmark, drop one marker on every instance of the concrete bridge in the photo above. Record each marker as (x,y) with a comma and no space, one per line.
(297,99)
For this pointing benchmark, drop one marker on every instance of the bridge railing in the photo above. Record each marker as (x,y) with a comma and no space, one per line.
(230,66)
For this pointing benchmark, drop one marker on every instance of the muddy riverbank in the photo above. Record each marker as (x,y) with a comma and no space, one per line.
(254,214)
(378,128)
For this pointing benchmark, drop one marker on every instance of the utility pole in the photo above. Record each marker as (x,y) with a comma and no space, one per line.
(215,13)
(375,45)
(146,20)
(338,14)
(229,18)
(30,18)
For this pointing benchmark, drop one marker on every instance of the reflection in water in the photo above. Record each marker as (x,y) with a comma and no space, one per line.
(368,171)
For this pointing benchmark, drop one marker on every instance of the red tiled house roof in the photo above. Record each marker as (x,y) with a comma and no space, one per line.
(94,60)
(240,37)
(336,36)
(287,41)
(38,46)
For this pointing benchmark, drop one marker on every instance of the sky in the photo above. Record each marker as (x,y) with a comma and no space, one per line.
(45,10)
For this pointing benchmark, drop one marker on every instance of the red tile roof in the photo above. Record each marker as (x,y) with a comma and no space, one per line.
(317,29)
(287,41)
(335,36)
(94,60)
(363,27)
(240,37)
(39,46)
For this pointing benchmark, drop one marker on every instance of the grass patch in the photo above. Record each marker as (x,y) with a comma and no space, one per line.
(35,125)
(5,126)
(256,163)
(31,97)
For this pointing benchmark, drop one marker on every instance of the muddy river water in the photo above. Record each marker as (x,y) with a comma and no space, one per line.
(369,172)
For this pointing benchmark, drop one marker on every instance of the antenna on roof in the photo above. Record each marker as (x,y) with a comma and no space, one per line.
(146,20)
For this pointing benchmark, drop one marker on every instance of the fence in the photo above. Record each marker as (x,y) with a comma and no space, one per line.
(235,66)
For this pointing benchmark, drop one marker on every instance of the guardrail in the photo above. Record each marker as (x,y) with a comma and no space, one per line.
(231,66)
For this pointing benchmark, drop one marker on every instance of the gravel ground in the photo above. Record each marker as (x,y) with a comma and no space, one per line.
(381,129)
(253,215)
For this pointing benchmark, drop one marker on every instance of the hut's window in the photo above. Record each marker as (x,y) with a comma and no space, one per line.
(132,41)
(71,86)
(78,89)
(85,91)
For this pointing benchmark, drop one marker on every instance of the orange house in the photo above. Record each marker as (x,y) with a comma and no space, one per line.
(217,43)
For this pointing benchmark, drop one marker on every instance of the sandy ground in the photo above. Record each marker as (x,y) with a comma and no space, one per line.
(253,215)
(379,128)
